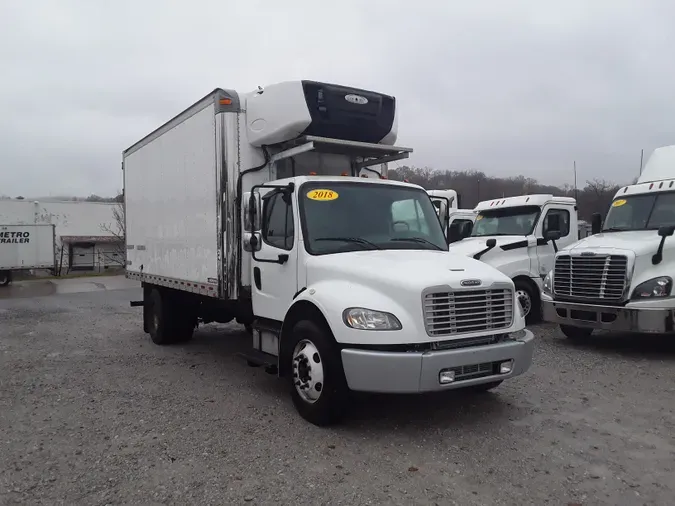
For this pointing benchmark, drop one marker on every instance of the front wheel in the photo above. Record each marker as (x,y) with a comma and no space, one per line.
(576,334)
(528,298)
(318,386)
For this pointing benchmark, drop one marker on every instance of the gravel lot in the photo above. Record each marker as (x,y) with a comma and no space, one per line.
(91,412)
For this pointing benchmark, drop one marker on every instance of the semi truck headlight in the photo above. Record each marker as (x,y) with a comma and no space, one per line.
(548,283)
(367,319)
(656,287)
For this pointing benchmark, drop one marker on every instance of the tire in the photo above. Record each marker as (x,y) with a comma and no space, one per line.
(576,334)
(249,328)
(312,352)
(5,278)
(169,321)
(528,297)
(484,387)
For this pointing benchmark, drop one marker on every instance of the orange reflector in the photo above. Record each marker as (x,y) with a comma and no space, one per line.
(384,177)
(344,174)
(406,181)
(363,175)
(225,101)
(312,173)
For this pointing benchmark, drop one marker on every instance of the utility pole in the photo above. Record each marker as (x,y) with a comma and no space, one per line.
(576,191)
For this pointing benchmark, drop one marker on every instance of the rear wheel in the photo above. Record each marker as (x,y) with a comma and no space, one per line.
(169,321)
(5,278)
(576,334)
(318,386)
(528,297)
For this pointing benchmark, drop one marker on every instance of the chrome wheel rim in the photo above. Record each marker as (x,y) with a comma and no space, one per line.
(308,376)
(525,301)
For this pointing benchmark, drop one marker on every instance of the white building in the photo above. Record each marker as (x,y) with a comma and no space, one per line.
(88,234)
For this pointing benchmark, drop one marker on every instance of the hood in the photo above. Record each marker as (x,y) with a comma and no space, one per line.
(412,269)
(642,242)
(472,245)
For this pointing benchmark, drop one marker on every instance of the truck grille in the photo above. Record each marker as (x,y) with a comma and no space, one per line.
(468,311)
(590,277)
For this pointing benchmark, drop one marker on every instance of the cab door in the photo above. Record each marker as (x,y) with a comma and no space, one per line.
(545,249)
(274,264)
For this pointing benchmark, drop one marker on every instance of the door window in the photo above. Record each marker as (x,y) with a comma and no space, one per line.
(409,212)
(564,221)
(278,229)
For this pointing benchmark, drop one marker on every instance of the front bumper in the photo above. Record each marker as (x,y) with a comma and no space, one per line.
(392,372)
(647,320)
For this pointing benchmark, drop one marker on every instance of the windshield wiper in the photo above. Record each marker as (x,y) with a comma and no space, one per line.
(615,229)
(417,239)
(355,240)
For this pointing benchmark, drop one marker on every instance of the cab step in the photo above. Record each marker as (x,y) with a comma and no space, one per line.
(257,358)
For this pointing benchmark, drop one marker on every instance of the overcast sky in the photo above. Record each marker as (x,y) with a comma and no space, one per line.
(507,87)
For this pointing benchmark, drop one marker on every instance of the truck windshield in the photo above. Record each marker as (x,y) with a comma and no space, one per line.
(506,221)
(347,216)
(641,212)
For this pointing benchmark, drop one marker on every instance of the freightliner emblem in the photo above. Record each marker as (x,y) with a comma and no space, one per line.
(470,282)
(356,99)
(587,254)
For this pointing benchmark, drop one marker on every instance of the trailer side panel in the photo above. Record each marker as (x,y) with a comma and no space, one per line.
(26,247)
(171,186)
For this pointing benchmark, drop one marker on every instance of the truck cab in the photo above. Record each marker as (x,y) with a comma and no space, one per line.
(519,236)
(620,279)
(457,223)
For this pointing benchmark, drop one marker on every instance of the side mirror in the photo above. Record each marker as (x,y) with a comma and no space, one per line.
(552,235)
(454,233)
(596,223)
(667,230)
(251,211)
(491,243)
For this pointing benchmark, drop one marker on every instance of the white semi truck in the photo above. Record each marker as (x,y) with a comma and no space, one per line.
(519,236)
(457,223)
(271,208)
(621,278)
(26,247)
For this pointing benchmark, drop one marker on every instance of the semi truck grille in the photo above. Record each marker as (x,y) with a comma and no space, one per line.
(468,311)
(590,277)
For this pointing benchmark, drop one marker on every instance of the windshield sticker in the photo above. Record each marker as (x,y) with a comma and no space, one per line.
(322,195)
(618,203)
(479,217)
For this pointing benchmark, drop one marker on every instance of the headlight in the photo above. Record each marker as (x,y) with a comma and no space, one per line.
(657,287)
(548,283)
(366,319)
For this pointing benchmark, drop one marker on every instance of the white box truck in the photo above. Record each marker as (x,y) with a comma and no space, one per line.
(271,208)
(519,236)
(621,278)
(26,247)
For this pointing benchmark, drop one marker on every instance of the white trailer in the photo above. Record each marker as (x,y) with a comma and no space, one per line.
(25,247)
(519,236)
(272,208)
(620,279)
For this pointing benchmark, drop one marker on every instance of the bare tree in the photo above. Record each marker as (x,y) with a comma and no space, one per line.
(118,231)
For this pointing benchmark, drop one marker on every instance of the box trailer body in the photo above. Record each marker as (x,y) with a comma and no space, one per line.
(512,235)
(272,208)
(620,279)
(25,247)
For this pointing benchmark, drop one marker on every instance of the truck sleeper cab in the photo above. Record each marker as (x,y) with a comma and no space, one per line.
(519,236)
(345,280)
(621,278)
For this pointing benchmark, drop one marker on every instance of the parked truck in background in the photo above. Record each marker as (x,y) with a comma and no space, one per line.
(271,208)
(457,223)
(26,247)
(519,236)
(621,278)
